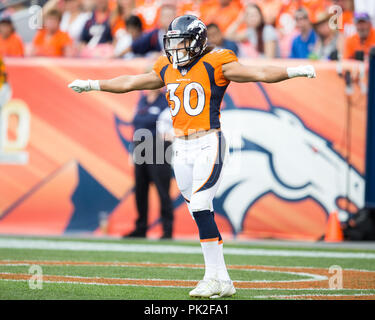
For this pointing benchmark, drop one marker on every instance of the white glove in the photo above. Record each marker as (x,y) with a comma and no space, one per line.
(301,71)
(84,85)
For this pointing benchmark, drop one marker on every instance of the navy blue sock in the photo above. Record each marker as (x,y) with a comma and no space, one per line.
(207,227)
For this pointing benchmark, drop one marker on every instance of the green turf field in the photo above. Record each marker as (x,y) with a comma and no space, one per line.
(77,268)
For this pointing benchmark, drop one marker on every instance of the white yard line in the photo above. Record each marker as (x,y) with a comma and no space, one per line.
(294,296)
(310,276)
(100,284)
(158,248)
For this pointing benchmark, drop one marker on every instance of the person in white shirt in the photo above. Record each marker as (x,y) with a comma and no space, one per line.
(126,37)
(73,19)
(263,37)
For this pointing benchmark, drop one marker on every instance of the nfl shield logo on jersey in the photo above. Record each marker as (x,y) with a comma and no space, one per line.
(184,72)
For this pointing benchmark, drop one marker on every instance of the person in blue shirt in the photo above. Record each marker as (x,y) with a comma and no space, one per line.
(97,29)
(152,162)
(303,44)
(216,37)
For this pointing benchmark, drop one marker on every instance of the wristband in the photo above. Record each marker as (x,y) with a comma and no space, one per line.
(94,85)
(294,72)
(301,71)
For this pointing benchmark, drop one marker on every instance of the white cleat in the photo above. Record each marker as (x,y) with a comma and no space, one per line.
(227,289)
(206,289)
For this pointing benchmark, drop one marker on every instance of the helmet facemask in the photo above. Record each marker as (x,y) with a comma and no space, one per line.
(180,49)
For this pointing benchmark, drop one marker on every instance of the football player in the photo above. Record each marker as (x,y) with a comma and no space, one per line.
(196,77)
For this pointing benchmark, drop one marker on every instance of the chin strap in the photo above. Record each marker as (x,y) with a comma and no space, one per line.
(174,58)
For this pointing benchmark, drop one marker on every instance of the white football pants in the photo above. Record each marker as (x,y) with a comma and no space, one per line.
(198,165)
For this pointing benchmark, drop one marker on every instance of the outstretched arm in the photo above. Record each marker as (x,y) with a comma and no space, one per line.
(122,84)
(237,72)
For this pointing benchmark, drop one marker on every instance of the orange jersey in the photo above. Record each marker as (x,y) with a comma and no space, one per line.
(188,7)
(52,46)
(353,44)
(289,7)
(148,11)
(117,24)
(222,16)
(348,24)
(270,9)
(196,8)
(12,46)
(195,92)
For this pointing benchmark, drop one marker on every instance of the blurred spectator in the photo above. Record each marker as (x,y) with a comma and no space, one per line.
(270,9)
(73,19)
(345,22)
(326,46)
(88,5)
(359,45)
(123,11)
(347,26)
(207,10)
(149,12)
(154,165)
(262,37)
(221,12)
(24,20)
(192,7)
(126,38)
(304,43)
(216,37)
(96,37)
(51,41)
(285,21)
(152,41)
(365,6)
(10,42)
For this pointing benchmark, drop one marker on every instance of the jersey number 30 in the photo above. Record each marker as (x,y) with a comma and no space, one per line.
(186,97)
